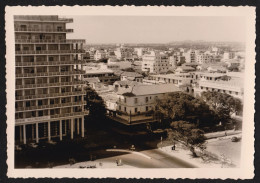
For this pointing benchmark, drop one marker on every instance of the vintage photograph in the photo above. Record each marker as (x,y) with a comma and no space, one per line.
(129,91)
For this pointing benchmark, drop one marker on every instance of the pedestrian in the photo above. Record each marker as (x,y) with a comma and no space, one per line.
(117,162)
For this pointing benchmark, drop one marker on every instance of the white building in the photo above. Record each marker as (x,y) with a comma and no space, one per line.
(136,104)
(99,54)
(154,62)
(229,55)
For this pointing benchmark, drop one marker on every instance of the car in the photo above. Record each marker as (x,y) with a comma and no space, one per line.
(234,139)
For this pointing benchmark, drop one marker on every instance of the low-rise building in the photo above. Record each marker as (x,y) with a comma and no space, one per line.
(137,104)
(131,76)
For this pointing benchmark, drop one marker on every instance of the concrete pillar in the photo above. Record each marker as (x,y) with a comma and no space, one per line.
(21,133)
(78,126)
(24,134)
(49,131)
(37,133)
(82,127)
(60,130)
(32,131)
(71,128)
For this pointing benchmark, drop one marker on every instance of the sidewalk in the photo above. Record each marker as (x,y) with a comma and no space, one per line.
(100,163)
(215,147)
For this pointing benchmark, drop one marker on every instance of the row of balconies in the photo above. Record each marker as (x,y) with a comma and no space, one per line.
(44,30)
(46,63)
(52,95)
(33,52)
(49,84)
(50,106)
(41,18)
(50,74)
(59,116)
(55,41)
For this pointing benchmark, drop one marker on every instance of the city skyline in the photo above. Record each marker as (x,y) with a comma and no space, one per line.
(158,30)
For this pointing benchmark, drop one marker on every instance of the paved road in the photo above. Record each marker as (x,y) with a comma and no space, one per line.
(159,160)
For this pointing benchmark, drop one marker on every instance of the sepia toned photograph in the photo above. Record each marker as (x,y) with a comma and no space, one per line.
(91,92)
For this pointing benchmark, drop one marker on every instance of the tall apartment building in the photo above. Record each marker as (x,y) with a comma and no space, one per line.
(49,96)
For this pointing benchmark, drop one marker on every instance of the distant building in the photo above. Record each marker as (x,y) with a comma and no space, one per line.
(131,76)
(184,69)
(204,58)
(190,56)
(99,54)
(154,62)
(104,75)
(228,55)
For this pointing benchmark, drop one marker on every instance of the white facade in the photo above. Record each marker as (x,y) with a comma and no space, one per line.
(154,62)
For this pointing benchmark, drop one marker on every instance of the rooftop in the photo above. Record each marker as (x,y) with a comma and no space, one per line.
(149,90)
(131,74)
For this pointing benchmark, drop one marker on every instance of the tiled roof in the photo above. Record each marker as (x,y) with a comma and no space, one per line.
(91,80)
(150,89)
(131,74)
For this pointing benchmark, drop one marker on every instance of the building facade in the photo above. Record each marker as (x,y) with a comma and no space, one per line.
(49,96)
(154,62)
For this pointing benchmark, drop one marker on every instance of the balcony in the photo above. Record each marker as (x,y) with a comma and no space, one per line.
(47,118)
(43,30)
(47,74)
(66,41)
(45,63)
(40,18)
(53,95)
(46,52)
(51,106)
(28,86)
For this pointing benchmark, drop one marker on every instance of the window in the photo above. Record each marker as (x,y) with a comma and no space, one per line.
(51,101)
(135,110)
(146,99)
(125,100)
(120,108)
(136,100)
(40,113)
(27,104)
(51,59)
(39,102)
(236,93)
(146,108)
(125,109)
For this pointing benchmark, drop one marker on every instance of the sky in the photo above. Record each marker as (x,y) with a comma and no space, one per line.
(160,29)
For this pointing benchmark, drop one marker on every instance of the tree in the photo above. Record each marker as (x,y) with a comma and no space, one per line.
(182,106)
(95,104)
(188,134)
(223,104)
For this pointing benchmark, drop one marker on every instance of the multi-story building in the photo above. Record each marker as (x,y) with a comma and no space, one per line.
(136,104)
(99,54)
(204,58)
(228,55)
(190,56)
(49,95)
(154,62)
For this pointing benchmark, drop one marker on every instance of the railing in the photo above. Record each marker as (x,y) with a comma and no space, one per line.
(49,51)
(42,30)
(45,63)
(51,106)
(49,84)
(53,95)
(50,41)
(49,74)
(34,119)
